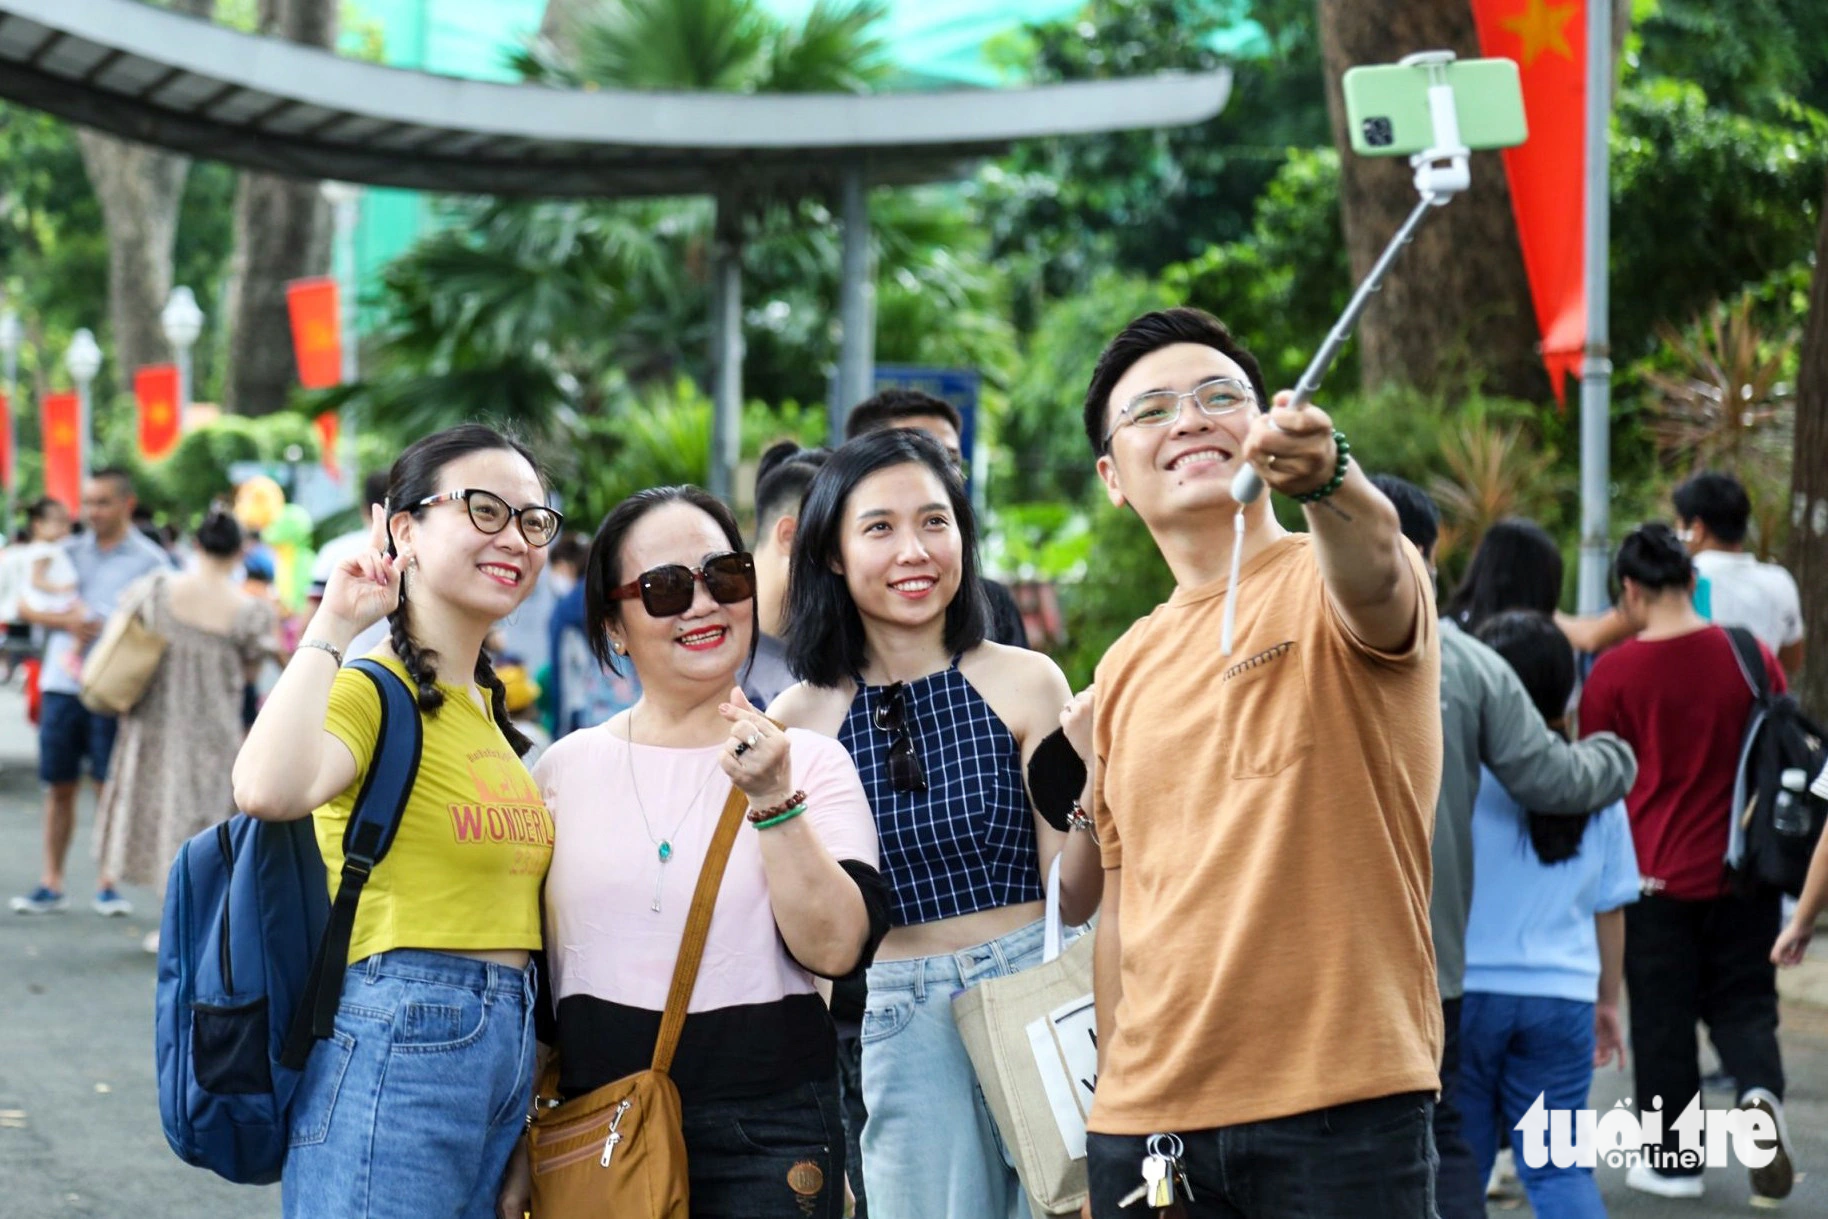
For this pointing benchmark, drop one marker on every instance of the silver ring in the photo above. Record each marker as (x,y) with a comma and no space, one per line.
(1270,460)
(753,738)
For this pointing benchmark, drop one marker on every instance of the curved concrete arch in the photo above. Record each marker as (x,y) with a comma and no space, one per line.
(262,103)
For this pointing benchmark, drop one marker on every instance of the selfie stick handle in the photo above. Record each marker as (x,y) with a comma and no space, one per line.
(1441,172)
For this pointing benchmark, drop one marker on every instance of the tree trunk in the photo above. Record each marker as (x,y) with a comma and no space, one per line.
(282,232)
(140,190)
(1809,484)
(1455,310)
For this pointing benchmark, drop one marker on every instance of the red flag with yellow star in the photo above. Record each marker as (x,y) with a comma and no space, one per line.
(61,419)
(1548,39)
(317,339)
(156,387)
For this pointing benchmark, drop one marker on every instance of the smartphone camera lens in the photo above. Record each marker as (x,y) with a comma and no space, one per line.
(1378,133)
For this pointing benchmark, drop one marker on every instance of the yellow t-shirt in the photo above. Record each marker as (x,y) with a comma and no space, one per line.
(466,867)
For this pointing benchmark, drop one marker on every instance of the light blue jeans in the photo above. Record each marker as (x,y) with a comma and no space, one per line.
(414,1104)
(930,1148)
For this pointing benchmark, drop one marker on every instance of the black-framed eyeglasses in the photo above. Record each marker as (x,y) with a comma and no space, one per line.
(1216,398)
(490,513)
(905,771)
(666,591)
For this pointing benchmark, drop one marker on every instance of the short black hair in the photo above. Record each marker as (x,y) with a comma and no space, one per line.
(1653,556)
(42,507)
(824,632)
(603,572)
(374,489)
(888,407)
(1534,646)
(571,548)
(1718,501)
(1150,333)
(781,479)
(122,480)
(1420,520)
(1517,566)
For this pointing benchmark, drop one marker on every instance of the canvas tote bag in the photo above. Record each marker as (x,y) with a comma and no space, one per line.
(1030,1039)
(618,1152)
(120,665)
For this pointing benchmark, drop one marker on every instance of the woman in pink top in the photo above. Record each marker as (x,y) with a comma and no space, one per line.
(635,801)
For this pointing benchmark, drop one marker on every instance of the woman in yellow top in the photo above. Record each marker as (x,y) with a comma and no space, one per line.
(415,1103)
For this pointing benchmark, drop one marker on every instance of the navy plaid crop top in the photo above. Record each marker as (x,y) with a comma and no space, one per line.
(967,843)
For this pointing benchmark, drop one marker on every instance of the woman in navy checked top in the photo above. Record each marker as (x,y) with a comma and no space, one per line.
(886,626)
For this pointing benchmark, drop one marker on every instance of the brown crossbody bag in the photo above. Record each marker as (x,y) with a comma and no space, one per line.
(618,1152)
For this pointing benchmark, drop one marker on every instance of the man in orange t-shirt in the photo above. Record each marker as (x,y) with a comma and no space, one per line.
(1265,974)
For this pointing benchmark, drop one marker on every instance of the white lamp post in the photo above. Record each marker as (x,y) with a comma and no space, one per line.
(84,360)
(10,337)
(182,321)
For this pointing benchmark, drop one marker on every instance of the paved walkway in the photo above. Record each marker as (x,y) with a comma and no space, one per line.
(79,1127)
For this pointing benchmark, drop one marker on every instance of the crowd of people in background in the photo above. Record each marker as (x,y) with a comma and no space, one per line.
(1446,853)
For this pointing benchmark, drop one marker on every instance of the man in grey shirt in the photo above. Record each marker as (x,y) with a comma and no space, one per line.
(111,555)
(1487,718)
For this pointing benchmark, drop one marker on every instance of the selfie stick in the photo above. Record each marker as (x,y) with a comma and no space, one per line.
(1441,172)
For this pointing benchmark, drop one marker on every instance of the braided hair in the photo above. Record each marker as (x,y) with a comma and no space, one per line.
(414,477)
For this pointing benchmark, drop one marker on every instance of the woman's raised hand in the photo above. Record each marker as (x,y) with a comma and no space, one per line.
(365,587)
(757,756)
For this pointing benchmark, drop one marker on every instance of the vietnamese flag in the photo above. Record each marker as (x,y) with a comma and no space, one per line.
(317,339)
(63,454)
(1548,39)
(329,427)
(6,443)
(156,387)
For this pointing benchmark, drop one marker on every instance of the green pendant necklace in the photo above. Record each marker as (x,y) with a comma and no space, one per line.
(663,847)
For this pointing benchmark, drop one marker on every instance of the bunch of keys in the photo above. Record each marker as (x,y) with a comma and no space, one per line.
(1162,1174)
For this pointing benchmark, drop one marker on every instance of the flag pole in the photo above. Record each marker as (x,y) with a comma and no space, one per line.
(1596,362)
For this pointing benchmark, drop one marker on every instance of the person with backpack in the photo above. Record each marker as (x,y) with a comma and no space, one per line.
(414,1103)
(1545,943)
(1697,947)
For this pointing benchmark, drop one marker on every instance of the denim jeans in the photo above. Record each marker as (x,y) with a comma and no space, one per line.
(1369,1158)
(776,1157)
(930,1148)
(850,1101)
(413,1105)
(1458,1186)
(1512,1049)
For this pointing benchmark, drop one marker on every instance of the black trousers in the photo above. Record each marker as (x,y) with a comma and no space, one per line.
(1459,1192)
(850,1098)
(1709,961)
(777,1157)
(1370,1158)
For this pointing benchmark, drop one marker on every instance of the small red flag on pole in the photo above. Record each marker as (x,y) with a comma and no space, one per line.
(156,387)
(329,430)
(317,339)
(6,443)
(63,471)
(1548,39)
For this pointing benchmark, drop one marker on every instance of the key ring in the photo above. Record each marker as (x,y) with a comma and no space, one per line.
(1171,1141)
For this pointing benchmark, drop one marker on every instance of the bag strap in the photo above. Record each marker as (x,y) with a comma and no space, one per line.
(697,930)
(375,821)
(1751,661)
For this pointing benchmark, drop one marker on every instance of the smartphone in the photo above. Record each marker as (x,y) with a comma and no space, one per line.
(1387,106)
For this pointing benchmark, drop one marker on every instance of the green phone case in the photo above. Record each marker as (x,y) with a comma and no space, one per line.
(1387,107)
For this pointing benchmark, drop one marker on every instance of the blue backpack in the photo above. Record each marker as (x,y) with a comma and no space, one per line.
(252,955)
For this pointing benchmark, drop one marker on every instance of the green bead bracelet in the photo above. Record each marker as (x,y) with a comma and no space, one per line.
(1344,449)
(789,815)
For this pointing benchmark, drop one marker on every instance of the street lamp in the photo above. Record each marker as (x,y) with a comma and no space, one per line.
(84,360)
(183,322)
(10,337)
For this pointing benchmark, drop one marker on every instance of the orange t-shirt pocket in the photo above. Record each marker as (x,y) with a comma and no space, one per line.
(1266,708)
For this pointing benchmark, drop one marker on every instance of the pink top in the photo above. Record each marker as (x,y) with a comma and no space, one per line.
(602,936)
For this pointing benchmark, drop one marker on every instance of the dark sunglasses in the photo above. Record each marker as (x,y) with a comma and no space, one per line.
(905,771)
(490,513)
(666,591)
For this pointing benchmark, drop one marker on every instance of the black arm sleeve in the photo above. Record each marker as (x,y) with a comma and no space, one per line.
(545,1001)
(1056,776)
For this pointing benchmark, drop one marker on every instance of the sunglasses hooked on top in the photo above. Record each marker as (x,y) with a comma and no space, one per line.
(905,771)
(490,513)
(668,590)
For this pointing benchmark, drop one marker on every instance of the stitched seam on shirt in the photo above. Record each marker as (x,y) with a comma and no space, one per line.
(1260,659)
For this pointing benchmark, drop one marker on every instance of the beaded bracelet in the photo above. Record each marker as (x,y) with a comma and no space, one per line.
(1343,447)
(759,815)
(789,815)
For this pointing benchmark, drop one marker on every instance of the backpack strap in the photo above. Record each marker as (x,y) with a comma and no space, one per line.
(697,929)
(1751,661)
(373,824)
